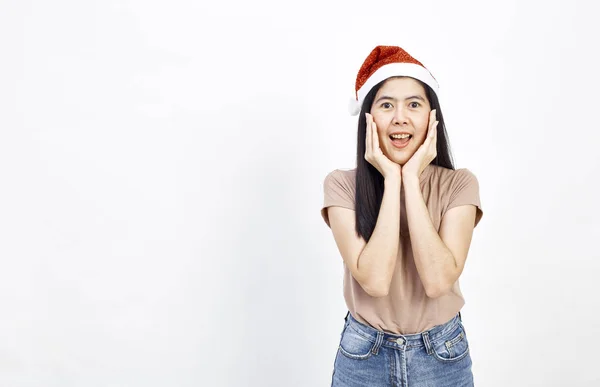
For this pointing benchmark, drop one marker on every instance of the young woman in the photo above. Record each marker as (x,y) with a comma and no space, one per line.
(402,220)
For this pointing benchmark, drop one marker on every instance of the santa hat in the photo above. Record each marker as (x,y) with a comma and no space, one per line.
(384,62)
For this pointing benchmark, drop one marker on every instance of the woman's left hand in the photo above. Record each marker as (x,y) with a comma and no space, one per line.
(425,154)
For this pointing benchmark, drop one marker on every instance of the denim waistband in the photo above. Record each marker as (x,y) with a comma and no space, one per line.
(414,340)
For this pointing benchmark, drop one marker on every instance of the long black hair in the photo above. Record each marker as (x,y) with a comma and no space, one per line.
(369,182)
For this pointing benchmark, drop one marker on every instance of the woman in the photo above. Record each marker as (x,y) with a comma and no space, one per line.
(402,221)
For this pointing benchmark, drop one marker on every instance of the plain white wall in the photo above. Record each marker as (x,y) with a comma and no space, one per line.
(162,167)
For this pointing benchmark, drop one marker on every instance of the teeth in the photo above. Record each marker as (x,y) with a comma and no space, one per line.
(400,135)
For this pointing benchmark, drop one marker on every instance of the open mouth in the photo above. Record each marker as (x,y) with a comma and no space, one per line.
(400,142)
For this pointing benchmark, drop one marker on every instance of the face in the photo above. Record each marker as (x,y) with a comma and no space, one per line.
(401,106)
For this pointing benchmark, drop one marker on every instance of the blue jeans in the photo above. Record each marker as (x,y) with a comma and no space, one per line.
(438,357)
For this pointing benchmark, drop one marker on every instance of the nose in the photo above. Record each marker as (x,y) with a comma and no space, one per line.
(399,116)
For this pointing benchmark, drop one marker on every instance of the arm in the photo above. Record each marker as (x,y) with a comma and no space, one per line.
(439,258)
(372,264)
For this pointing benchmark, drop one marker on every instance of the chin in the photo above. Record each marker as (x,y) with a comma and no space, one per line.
(403,159)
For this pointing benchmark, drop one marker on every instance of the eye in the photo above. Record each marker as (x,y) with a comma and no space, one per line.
(386,105)
(418,104)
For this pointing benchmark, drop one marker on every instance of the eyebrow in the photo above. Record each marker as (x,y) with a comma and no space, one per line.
(406,99)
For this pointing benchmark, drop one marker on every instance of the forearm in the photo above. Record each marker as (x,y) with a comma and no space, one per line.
(377,261)
(434,261)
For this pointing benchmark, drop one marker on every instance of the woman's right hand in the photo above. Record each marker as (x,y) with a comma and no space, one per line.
(375,156)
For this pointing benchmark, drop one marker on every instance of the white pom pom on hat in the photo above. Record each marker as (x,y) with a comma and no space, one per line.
(353,107)
(384,62)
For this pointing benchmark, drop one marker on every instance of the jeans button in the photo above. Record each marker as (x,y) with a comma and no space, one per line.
(400,340)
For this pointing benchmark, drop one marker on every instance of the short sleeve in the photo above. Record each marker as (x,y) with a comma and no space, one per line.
(464,189)
(337,191)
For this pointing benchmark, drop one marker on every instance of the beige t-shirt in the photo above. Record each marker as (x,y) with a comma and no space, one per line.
(407,308)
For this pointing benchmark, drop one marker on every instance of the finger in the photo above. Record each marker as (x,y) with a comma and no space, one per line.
(375,136)
(368,135)
(428,137)
(432,118)
(431,135)
(433,128)
(434,140)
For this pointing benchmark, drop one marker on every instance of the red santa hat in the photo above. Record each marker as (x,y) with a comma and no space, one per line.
(384,62)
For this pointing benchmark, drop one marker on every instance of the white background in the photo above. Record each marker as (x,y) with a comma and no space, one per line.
(162,167)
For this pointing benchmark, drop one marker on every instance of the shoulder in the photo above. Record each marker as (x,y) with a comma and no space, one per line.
(463,188)
(342,177)
(464,177)
(453,177)
(343,172)
(339,190)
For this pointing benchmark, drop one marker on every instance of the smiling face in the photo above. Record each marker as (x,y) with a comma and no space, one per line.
(401,106)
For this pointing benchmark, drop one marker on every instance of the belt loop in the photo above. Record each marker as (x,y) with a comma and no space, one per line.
(378,343)
(428,345)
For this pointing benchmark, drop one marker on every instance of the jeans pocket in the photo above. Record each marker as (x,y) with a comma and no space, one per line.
(355,345)
(453,347)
